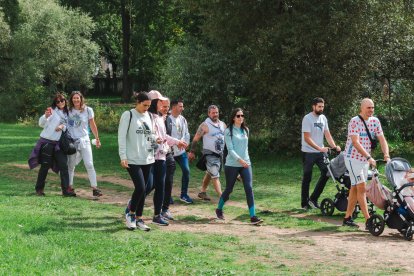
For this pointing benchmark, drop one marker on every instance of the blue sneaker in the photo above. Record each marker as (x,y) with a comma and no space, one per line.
(186,199)
(128,207)
(131,221)
(160,221)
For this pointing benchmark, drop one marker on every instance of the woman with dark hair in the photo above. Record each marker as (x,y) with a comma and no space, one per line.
(236,137)
(159,109)
(137,143)
(47,152)
(81,118)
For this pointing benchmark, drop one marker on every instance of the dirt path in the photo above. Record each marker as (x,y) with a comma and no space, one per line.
(344,249)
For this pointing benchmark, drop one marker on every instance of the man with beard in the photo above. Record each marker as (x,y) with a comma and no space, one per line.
(314,129)
(212,132)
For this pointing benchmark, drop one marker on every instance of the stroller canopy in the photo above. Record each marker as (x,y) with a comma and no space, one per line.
(396,170)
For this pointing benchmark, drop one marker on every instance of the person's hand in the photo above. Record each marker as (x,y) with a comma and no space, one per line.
(159,140)
(98,143)
(387,159)
(243,163)
(324,149)
(124,164)
(191,156)
(372,162)
(338,148)
(182,145)
(59,128)
(48,112)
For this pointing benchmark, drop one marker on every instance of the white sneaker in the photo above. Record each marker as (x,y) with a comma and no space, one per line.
(130,221)
(141,225)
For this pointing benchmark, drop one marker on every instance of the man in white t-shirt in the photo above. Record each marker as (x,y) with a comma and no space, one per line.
(358,156)
(314,130)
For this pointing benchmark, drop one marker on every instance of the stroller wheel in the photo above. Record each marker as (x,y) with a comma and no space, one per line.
(327,207)
(408,235)
(376,225)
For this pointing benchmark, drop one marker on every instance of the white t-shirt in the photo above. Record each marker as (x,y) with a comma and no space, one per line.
(316,126)
(357,127)
(78,122)
(49,125)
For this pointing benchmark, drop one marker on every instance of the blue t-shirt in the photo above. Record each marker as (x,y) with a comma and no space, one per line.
(237,146)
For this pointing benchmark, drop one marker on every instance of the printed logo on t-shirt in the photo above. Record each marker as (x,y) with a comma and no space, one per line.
(318,125)
(75,121)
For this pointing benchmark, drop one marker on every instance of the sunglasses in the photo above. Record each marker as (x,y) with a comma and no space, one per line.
(239,115)
(60,101)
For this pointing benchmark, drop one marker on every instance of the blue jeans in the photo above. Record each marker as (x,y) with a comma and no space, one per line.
(231,176)
(182,160)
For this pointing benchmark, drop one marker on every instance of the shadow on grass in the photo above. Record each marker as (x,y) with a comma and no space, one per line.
(191,219)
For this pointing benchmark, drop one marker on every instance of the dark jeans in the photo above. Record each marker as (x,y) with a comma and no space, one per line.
(62,162)
(169,179)
(182,160)
(157,182)
(309,159)
(139,175)
(231,176)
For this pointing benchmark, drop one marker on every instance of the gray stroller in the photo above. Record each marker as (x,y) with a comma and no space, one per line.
(398,204)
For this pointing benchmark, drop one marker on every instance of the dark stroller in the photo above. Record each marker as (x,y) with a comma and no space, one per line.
(398,205)
(339,174)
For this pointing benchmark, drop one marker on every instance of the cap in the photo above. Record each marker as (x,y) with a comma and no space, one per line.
(154,94)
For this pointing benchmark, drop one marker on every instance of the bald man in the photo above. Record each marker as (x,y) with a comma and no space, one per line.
(358,157)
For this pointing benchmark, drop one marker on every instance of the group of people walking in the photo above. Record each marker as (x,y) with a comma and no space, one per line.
(152,140)
(74,117)
(364,132)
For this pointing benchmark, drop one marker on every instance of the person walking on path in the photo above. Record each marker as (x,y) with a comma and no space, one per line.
(314,129)
(47,151)
(81,118)
(212,132)
(159,108)
(363,132)
(236,137)
(179,130)
(136,144)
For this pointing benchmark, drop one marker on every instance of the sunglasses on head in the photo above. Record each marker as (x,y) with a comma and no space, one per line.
(239,115)
(60,101)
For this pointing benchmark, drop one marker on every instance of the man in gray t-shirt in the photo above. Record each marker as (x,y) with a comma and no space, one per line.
(314,129)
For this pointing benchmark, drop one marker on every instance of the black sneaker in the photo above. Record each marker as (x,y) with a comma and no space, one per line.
(69,194)
(219,214)
(160,220)
(40,192)
(96,192)
(204,196)
(255,220)
(349,222)
(313,204)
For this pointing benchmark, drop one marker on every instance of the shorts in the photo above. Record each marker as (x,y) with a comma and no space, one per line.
(358,172)
(213,164)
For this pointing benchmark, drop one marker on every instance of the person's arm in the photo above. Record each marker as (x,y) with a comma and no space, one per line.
(202,129)
(186,134)
(330,140)
(309,140)
(361,150)
(384,147)
(94,129)
(122,137)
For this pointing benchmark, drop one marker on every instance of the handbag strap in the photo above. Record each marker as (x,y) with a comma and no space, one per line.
(366,128)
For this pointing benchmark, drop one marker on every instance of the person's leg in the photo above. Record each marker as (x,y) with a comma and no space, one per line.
(213,164)
(159,181)
(138,196)
(206,181)
(46,156)
(362,199)
(320,185)
(352,200)
(150,183)
(307,161)
(41,178)
(62,161)
(246,175)
(87,157)
(217,185)
(182,161)
(71,167)
(169,179)
(231,175)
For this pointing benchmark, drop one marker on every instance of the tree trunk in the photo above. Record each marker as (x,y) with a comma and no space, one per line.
(126,37)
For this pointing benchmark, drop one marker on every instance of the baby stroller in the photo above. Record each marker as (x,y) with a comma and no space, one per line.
(339,174)
(398,205)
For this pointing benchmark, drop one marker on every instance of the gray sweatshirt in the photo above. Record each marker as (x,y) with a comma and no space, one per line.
(135,143)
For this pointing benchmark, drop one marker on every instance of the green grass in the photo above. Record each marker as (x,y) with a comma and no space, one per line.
(55,235)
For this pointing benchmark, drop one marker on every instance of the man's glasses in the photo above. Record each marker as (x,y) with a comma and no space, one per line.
(239,115)
(60,101)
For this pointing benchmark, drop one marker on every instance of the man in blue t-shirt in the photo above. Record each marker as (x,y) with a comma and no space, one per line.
(314,129)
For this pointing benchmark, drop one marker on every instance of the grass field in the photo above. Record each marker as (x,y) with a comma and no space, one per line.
(56,235)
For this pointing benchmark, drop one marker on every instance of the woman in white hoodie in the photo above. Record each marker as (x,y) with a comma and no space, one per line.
(47,152)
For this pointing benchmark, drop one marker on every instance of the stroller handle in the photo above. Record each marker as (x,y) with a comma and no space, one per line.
(411,184)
